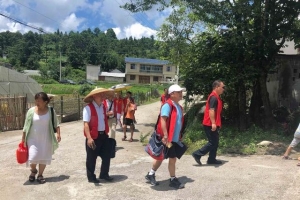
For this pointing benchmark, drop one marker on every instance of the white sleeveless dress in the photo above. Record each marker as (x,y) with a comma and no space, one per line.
(39,140)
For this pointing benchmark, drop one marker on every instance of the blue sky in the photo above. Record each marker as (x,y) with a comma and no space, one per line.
(78,15)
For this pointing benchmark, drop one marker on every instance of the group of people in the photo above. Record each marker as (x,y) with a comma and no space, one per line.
(102,112)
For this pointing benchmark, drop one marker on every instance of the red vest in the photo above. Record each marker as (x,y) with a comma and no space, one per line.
(118,105)
(93,124)
(171,120)
(206,119)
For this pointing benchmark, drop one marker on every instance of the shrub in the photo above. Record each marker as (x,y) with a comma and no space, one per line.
(85,89)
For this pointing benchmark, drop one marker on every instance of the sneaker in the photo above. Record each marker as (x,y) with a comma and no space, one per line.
(215,162)
(197,158)
(151,178)
(176,184)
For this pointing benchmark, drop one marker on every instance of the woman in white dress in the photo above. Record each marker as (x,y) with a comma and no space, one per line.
(39,135)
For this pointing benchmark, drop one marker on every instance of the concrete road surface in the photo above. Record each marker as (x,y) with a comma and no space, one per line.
(240,177)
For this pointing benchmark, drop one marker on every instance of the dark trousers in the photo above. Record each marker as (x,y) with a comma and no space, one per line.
(102,150)
(212,144)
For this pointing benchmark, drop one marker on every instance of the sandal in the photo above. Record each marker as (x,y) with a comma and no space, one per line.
(32,175)
(124,138)
(286,158)
(41,179)
(131,140)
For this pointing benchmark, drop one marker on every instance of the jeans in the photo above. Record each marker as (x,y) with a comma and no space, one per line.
(211,146)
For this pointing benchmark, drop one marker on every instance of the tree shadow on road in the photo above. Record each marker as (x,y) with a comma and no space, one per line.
(164,185)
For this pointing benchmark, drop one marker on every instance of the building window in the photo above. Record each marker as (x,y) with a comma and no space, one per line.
(155,78)
(168,68)
(132,66)
(132,77)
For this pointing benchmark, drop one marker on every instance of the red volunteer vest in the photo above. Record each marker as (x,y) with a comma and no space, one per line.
(93,124)
(206,119)
(171,121)
(118,105)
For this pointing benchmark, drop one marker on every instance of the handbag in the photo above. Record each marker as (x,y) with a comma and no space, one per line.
(112,147)
(22,153)
(155,147)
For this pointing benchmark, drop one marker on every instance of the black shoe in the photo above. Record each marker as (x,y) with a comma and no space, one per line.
(151,178)
(176,184)
(197,158)
(94,181)
(106,177)
(215,162)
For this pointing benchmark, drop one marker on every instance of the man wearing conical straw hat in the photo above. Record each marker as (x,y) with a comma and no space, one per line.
(96,132)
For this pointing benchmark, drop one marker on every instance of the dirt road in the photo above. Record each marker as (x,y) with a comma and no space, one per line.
(240,177)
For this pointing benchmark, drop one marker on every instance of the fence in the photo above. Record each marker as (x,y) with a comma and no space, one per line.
(13,109)
(12,112)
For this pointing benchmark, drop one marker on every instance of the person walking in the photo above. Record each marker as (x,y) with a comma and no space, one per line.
(212,124)
(96,132)
(129,118)
(111,115)
(39,136)
(119,108)
(169,128)
(164,97)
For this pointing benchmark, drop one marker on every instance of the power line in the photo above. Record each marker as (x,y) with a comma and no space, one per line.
(23,23)
(36,11)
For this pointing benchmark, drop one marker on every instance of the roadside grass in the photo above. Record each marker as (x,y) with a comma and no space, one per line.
(233,141)
(62,89)
(144,138)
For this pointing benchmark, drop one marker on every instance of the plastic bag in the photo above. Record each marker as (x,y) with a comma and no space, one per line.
(22,153)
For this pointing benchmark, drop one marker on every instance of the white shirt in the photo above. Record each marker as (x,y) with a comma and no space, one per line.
(109,102)
(87,115)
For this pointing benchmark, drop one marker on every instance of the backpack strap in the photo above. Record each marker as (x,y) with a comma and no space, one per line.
(52,119)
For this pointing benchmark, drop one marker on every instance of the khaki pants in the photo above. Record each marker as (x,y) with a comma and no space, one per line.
(112,127)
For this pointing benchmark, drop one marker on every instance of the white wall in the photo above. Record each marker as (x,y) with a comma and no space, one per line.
(92,72)
(290,49)
(115,79)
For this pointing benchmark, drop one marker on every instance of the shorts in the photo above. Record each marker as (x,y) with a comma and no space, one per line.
(295,142)
(128,121)
(171,152)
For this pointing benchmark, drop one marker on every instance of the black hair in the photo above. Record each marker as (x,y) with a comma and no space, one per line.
(128,92)
(43,96)
(216,83)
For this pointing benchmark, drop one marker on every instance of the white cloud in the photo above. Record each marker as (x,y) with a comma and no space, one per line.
(71,23)
(136,30)
(77,15)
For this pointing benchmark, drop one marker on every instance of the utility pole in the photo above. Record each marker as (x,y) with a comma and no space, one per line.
(177,78)
(59,65)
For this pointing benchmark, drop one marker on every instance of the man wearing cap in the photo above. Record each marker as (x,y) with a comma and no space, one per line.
(96,132)
(212,123)
(169,128)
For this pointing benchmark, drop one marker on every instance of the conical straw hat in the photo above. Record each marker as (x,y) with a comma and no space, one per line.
(89,97)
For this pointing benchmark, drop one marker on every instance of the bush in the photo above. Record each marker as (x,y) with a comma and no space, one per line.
(85,89)
(42,80)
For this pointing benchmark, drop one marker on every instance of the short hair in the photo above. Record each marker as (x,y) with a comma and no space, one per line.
(128,92)
(43,96)
(216,83)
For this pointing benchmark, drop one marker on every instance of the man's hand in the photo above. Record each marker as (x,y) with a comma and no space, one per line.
(213,127)
(90,142)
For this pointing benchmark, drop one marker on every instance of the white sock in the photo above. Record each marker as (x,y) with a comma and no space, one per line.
(172,178)
(151,172)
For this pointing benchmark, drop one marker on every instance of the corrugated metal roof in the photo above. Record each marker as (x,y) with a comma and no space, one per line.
(146,61)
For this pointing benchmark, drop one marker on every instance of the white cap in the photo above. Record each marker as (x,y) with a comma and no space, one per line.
(175,88)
